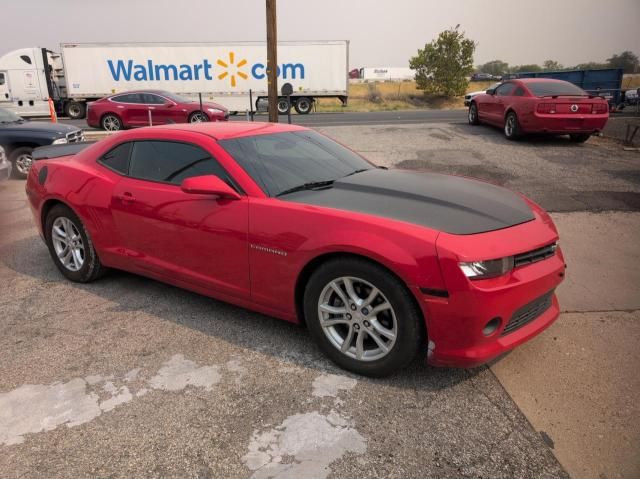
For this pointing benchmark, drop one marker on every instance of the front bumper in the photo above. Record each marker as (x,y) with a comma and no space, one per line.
(455,323)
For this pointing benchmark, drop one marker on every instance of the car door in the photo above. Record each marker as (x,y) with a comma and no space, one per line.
(158,107)
(130,109)
(195,239)
(501,101)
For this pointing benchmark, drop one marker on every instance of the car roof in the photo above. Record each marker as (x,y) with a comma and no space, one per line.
(225,130)
(543,80)
(159,92)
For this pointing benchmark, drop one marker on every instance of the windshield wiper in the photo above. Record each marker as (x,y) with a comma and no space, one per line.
(357,171)
(307,186)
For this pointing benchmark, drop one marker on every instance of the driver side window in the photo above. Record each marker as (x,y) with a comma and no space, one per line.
(505,89)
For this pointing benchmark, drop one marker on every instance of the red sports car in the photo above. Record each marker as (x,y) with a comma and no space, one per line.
(138,108)
(280,219)
(540,105)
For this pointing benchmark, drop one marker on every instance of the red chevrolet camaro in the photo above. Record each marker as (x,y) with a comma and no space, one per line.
(138,108)
(280,219)
(540,105)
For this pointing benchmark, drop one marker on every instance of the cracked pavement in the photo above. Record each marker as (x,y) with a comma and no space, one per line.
(174,384)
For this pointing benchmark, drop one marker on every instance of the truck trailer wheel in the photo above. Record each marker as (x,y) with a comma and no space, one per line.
(283,106)
(303,105)
(75,110)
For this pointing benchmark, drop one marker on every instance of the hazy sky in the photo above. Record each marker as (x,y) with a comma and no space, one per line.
(382,33)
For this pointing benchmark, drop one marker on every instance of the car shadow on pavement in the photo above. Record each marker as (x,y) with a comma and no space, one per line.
(495,135)
(287,342)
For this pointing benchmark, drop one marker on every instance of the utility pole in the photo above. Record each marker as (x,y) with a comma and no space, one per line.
(272,60)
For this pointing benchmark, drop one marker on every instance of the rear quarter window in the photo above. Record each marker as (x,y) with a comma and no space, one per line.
(117,159)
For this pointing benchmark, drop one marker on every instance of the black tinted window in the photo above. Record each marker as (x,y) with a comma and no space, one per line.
(505,89)
(519,91)
(128,98)
(286,160)
(555,88)
(171,162)
(151,99)
(118,158)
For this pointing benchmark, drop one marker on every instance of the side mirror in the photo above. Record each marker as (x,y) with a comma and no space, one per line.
(169,104)
(209,185)
(491,91)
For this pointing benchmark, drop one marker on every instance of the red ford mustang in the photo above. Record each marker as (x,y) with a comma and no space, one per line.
(280,219)
(137,108)
(540,105)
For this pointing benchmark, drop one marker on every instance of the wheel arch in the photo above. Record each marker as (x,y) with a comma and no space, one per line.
(316,262)
(47,206)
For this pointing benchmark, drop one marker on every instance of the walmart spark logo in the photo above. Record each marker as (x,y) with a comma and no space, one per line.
(231,67)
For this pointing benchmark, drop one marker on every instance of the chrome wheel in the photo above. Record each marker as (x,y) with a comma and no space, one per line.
(23,163)
(74,110)
(357,318)
(472,113)
(197,117)
(283,106)
(510,126)
(111,123)
(67,243)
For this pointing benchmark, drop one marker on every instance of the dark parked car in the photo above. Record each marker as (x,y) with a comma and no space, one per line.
(19,137)
(135,108)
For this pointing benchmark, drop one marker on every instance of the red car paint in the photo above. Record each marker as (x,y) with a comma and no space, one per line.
(553,115)
(258,248)
(165,108)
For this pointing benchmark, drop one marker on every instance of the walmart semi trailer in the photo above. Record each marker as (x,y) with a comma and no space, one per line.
(221,72)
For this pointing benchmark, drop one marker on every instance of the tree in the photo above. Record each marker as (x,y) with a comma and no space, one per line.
(494,67)
(551,65)
(627,60)
(526,68)
(443,66)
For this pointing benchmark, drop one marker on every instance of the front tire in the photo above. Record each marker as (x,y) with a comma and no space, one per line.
(512,126)
(198,117)
(70,246)
(21,158)
(75,110)
(362,317)
(579,137)
(473,114)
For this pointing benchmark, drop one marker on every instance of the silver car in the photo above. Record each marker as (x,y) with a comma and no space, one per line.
(5,165)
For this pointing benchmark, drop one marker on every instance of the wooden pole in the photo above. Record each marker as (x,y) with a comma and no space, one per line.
(272,60)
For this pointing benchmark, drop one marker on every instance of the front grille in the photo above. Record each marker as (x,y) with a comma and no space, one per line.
(535,255)
(528,313)
(75,136)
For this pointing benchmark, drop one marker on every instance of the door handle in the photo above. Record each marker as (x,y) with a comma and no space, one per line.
(126,198)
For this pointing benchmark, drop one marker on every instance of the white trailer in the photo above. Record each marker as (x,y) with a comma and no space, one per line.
(222,72)
(387,73)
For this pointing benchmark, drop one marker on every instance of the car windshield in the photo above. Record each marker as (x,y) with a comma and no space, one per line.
(287,161)
(173,97)
(7,116)
(555,89)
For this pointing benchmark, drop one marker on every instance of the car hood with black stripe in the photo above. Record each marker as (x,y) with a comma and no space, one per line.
(445,203)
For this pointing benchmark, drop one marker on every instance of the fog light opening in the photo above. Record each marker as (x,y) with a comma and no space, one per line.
(492,326)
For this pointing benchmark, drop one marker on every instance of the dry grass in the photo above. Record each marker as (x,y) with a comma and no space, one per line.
(403,95)
(398,95)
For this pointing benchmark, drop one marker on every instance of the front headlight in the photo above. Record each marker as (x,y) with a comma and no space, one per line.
(215,110)
(59,141)
(487,269)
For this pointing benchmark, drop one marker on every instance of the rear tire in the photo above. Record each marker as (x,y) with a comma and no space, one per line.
(377,332)
(512,126)
(198,117)
(579,137)
(111,122)
(75,110)
(473,114)
(21,159)
(304,105)
(70,246)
